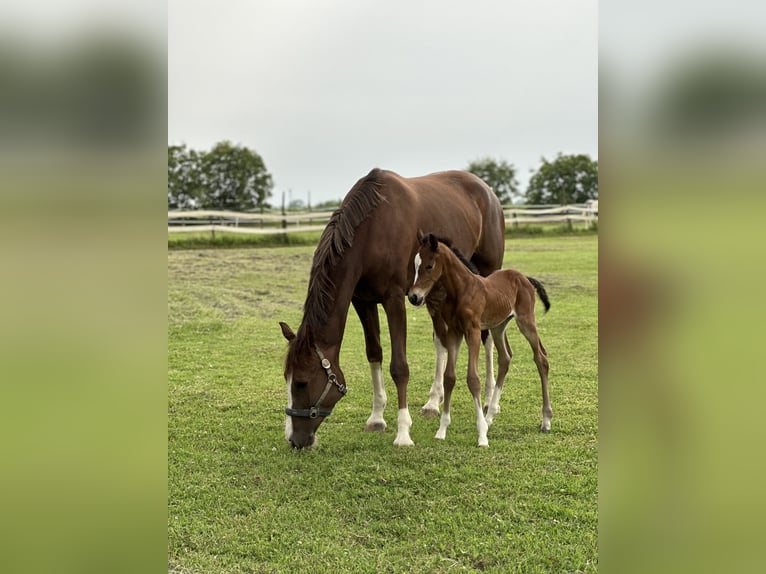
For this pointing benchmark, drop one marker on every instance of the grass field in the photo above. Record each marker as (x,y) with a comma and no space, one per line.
(241,501)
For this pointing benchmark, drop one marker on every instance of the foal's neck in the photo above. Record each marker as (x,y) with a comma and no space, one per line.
(456,276)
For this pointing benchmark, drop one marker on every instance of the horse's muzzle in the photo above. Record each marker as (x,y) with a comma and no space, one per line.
(415,299)
(303,441)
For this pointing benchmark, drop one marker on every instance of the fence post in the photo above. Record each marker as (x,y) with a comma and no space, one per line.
(284,221)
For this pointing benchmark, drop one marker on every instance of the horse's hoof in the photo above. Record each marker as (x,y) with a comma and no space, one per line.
(377,426)
(484,444)
(404,442)
(429,412)
(545,427)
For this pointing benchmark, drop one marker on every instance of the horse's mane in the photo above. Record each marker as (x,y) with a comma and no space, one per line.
(463,259)
(338,236)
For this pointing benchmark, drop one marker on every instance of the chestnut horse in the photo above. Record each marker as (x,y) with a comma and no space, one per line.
(364,258)
(474,303)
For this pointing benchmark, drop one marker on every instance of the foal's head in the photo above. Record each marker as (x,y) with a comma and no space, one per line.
(428,268)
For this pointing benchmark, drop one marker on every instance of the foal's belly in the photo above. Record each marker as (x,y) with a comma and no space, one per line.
(493,320)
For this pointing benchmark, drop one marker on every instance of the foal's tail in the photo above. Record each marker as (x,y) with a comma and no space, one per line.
(540,291)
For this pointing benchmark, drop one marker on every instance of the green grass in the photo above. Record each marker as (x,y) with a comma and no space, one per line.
(241,501)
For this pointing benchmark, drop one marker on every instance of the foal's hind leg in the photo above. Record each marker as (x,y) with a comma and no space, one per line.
(504,355)
(489,381)
(527,327)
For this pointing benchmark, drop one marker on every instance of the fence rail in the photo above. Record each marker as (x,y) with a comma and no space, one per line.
(267,223)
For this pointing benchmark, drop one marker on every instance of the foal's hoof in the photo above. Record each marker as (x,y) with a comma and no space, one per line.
(545,427)
(377,426)
(429,412)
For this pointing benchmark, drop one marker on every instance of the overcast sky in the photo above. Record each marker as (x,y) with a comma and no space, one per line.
(326,90)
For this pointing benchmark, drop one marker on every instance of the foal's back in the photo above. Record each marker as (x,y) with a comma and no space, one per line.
(508,291)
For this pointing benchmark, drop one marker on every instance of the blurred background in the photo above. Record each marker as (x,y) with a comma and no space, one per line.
(682,122)
(82,283)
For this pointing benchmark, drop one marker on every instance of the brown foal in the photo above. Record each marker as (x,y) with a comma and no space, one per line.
(474,303)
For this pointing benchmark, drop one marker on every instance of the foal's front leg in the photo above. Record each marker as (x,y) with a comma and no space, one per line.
(453,347)
(436,394)
(473,338)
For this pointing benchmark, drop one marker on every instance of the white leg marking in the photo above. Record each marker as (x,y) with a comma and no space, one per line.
(546,426)
(494,405)
(379,399)
(289,420)
(403,424)
(436,394)
(446,419)
(481,424)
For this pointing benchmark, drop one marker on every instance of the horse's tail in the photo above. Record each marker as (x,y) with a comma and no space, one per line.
(540,291)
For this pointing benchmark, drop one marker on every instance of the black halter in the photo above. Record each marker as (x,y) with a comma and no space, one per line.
(315,411)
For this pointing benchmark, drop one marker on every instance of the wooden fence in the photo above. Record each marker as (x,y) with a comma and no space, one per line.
(294,222)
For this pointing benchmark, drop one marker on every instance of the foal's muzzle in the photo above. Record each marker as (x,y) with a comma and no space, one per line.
(415,299)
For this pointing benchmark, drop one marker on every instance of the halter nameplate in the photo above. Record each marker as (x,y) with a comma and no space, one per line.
(332,380)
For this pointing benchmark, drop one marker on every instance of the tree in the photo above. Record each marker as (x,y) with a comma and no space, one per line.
(567,179)
(499,175)
(236,178)
(185,182)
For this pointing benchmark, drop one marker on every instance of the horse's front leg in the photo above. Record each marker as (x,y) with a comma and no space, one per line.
(473,338)
(400,370)
(368,315)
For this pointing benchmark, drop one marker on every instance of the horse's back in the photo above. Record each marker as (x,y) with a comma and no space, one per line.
(453,204)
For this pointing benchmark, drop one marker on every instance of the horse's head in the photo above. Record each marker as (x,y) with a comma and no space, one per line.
(428,268)
(314,384)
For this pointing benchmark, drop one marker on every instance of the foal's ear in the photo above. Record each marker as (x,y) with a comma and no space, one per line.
(432,241)
(421,235)
(287,332)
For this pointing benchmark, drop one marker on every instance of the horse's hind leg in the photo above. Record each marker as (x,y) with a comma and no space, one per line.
(526,323)
(436,394)
(504,355)
(368,315)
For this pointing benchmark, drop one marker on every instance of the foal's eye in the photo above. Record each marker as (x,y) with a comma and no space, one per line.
(429,267)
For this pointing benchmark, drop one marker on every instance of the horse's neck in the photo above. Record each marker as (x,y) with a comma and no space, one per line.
(329,333)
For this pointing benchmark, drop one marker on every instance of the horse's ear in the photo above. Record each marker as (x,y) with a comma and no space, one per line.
(421,235)
(287,332)
(433,242)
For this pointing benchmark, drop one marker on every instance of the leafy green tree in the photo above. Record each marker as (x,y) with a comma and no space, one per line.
(235,178)
(185,182)
(566,179)
(499,175)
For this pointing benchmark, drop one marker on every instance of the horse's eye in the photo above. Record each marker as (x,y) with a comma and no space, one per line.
(299,385)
